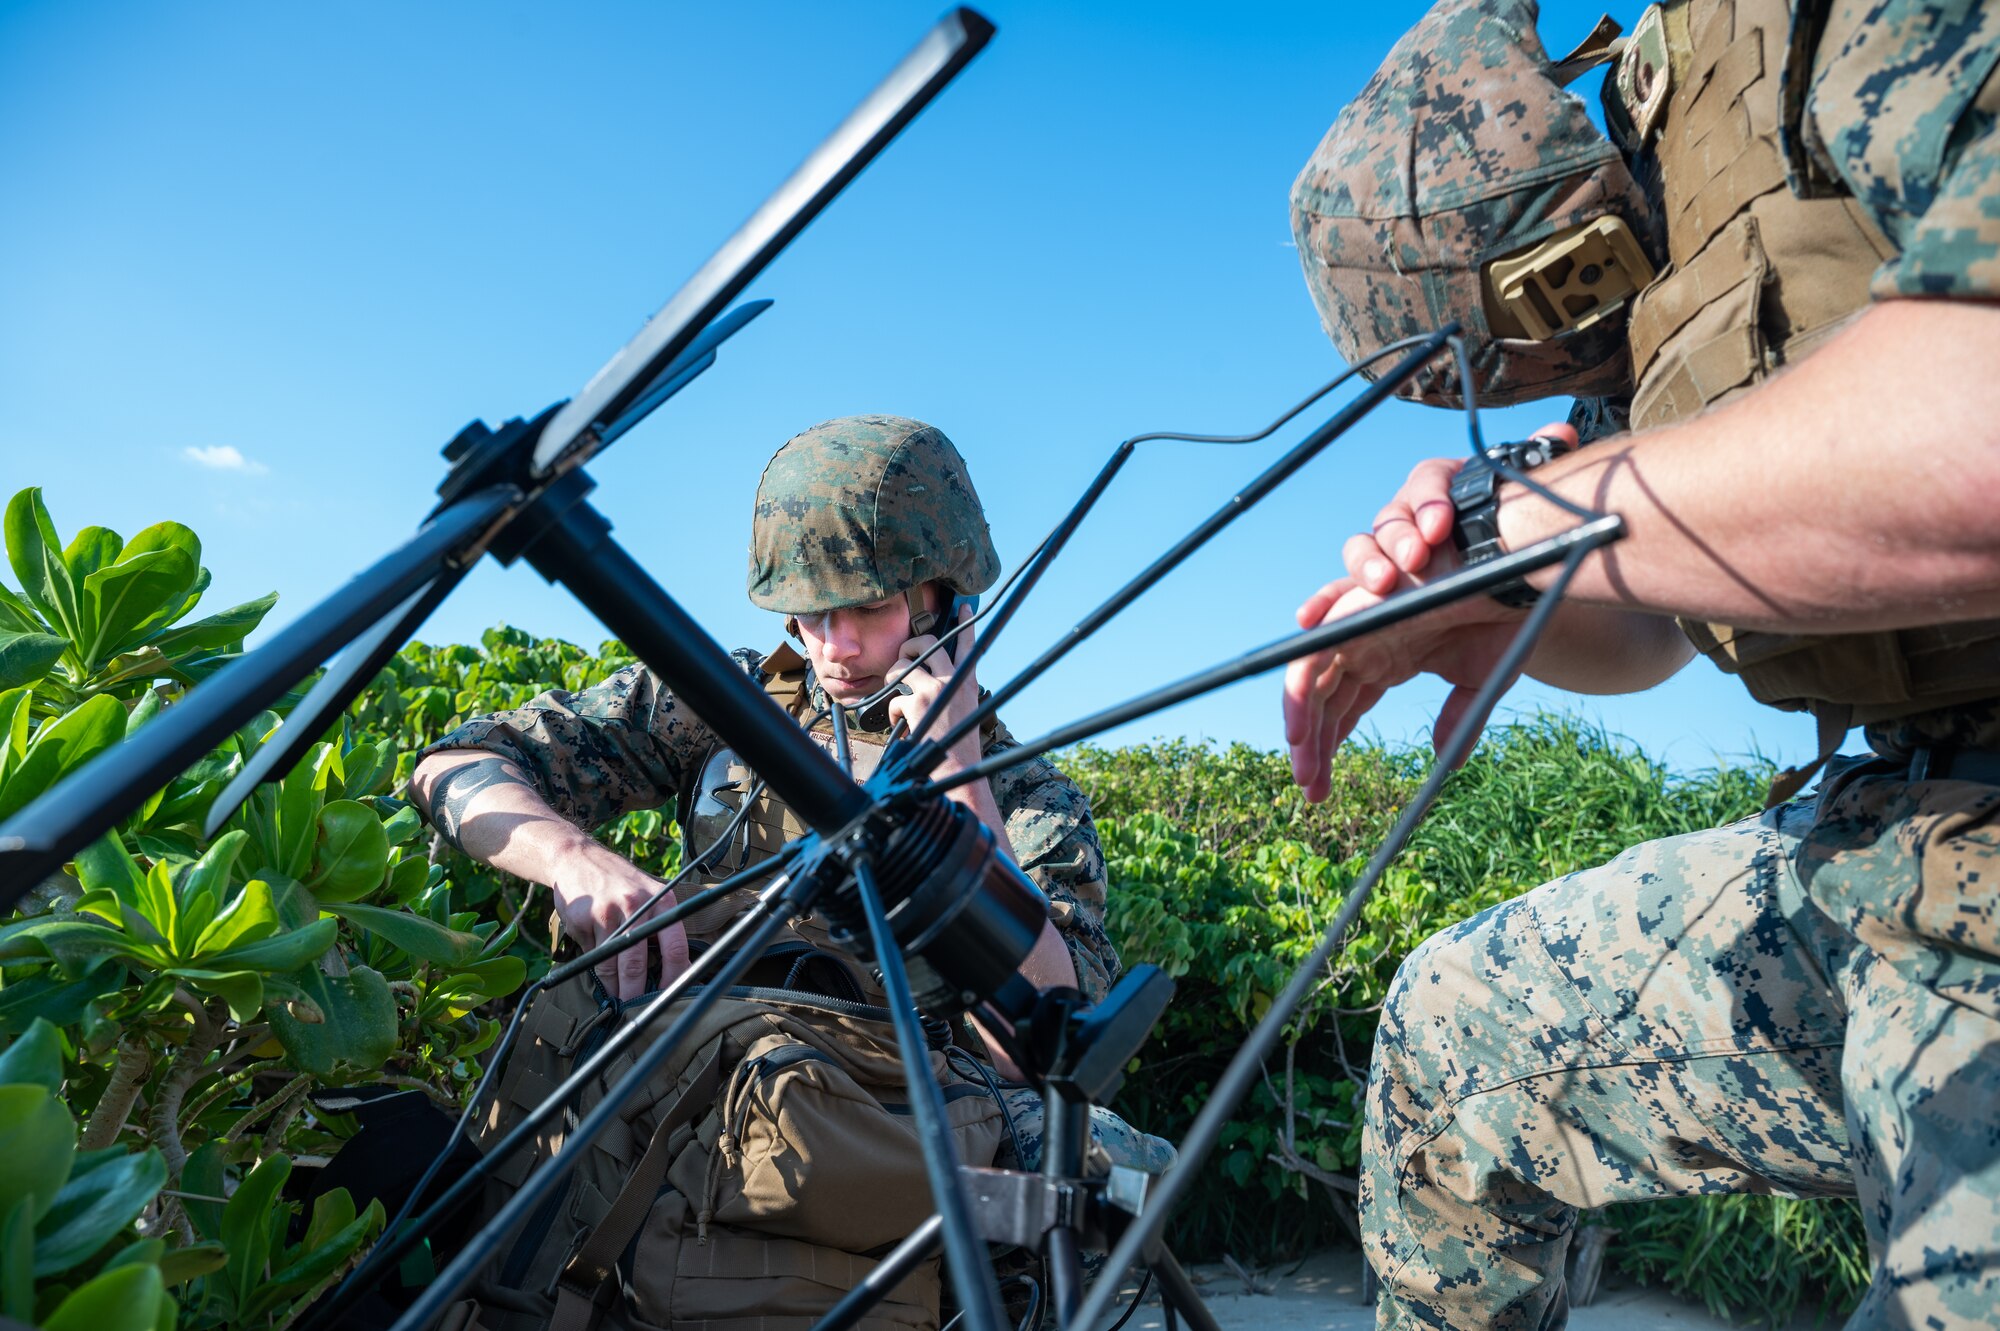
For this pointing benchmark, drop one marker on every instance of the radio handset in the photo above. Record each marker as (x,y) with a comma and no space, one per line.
(876,718)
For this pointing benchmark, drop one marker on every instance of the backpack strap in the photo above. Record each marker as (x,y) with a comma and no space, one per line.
(584,1278)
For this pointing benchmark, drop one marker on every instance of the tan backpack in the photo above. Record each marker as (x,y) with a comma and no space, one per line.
(761,1175)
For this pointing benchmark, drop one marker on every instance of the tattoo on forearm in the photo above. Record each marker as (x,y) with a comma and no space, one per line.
(452,794)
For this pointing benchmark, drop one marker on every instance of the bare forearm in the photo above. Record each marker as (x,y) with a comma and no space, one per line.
(486,806)
(1851,493)
(1607,650)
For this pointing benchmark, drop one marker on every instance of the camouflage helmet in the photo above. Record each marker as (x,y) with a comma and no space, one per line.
(858,509)
(1463,153)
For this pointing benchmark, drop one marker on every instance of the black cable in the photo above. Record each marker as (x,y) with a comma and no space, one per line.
(1058,535)
(1477,439)
(1244,1068)
(1034,1314)
(927,755)
(985,1074)
(949,635)
(1145,1284)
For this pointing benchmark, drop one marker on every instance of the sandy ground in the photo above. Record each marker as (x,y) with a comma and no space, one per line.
(1325,1295)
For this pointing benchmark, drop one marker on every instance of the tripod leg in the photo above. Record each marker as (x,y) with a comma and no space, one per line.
(1065,1276)
(875,1286)
(1178,1294)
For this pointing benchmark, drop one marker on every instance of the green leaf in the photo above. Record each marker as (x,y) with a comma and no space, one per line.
(34,1059)
(197,1259)
(328,1245)
(17,1262)
(402,825)
(15,711)
(158,901)
(195,593)
(242,990)
(353,852)
(90,550)
(206,883)
(74,942)
(279,954)
(216,633)
(494,978)
(357,1034)
(250,918)
(60,999)
(421,938)
(26,657)
(37,1142)
(145,709)
(169,536)
(60,747)
(365,765)
(35,553)
(203,1175)
(126,1298)
(246,1229)
(407,878)
(298,805)
(105,865)
(105,1193)
(119,601)
(332,1212)
(17,616)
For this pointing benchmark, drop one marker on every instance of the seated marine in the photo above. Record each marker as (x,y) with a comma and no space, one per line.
(867,530)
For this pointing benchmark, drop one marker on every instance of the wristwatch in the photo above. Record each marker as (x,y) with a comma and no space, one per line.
(1475,529)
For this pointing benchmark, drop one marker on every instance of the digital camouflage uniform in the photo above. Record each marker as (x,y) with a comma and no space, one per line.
(847,513)
(1807,1002)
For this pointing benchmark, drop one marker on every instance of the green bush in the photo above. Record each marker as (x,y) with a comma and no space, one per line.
(186,993)
(1221,874)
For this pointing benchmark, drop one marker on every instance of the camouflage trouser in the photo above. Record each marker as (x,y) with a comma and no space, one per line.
(1805,1003)
(1119,1141)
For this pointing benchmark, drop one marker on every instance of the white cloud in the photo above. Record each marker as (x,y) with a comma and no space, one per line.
(223,457)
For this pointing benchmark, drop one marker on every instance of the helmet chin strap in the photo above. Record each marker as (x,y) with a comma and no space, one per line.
(922,619)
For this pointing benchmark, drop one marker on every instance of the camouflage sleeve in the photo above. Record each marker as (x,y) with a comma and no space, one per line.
(1055,843)
(1902,108)
(614,747)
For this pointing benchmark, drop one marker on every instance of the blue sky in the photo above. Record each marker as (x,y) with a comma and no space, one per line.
(308,243)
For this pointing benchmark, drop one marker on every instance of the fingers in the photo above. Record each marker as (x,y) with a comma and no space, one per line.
(1560,430)
(1302,698)
(1312,613)
(1369,565)
(1427,494)
(592,912)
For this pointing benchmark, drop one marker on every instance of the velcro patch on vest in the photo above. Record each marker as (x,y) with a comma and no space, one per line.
(1644,78)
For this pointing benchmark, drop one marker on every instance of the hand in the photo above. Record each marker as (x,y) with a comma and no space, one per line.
(597,892)
(926,682)
(1328,693)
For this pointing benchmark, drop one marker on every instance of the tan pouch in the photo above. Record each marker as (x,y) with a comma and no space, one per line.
(804,1134)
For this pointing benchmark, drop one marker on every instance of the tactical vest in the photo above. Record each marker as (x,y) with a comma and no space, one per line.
(1758,278)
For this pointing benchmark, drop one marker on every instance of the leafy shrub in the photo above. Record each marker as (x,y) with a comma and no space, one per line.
(187,993)
(1221,874)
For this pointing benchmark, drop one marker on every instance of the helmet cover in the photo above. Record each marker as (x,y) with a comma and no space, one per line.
(862,508)
(1464,148)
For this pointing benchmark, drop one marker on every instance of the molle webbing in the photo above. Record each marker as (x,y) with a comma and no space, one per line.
(1759,278)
